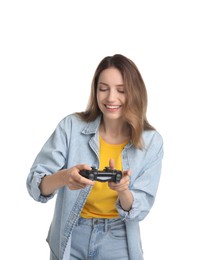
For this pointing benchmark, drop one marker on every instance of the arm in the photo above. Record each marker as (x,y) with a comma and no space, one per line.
(66,177)
(49,171)
(124,194)
(144,182)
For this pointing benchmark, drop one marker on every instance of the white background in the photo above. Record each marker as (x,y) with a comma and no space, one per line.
(48,53)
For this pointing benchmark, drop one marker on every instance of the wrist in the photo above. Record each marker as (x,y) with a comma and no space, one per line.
(126,199)
(124,193)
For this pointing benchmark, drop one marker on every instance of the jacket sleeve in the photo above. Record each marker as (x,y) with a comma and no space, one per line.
(50,159)
(144,187)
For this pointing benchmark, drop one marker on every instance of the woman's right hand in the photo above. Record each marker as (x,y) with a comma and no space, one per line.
(73,180)
(66,177)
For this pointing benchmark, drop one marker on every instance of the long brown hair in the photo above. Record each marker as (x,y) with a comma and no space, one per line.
(135,106)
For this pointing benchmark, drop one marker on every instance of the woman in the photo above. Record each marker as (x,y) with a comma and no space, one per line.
(93,219)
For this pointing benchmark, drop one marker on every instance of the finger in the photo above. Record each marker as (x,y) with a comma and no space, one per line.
(79,182)
(83,167)
(119,187)
(77,179)
(85,181)
(82,180)
(126,173)
(124,181)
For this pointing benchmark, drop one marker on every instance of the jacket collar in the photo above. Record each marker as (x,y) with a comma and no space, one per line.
(92,127)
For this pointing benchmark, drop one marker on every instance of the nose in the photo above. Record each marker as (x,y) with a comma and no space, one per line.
(111,95)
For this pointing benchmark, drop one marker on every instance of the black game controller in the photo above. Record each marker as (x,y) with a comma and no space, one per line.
(106,175)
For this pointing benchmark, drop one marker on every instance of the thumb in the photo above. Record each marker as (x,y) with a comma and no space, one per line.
(112,164)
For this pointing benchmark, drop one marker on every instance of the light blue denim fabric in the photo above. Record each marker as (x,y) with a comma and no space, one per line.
(98,239)
(75,142)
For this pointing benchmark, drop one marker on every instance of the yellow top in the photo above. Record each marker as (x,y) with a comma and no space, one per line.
(101,202)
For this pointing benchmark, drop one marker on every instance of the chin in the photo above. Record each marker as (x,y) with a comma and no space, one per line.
(112,117)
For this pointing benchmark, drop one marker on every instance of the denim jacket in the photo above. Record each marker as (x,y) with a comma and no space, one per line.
(77,142)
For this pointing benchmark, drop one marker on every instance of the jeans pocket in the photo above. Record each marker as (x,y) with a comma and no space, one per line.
(118,231)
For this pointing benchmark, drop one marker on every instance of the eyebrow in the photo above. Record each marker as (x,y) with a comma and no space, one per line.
(119,85)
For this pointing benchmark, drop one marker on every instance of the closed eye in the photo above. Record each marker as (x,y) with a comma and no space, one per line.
(103,89)
(121,91)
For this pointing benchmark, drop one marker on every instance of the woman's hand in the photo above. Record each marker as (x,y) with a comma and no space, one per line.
(66,177)
(124,194)
(74,180)
(123,184)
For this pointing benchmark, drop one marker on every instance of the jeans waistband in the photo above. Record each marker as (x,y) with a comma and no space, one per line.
(105,222)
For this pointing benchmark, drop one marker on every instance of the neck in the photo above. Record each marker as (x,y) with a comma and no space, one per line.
(114,131)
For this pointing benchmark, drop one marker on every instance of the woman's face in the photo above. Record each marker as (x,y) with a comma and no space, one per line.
(111,93)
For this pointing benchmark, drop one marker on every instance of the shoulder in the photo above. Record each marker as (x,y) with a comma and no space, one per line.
(75,122)
(153,144)
(72,120)
(152,137)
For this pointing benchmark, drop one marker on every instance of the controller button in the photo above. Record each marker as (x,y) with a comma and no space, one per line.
(91,176)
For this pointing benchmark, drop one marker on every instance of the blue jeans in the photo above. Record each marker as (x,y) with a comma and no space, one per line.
(99,239)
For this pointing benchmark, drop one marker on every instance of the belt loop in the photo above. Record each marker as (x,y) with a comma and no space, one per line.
(106,224)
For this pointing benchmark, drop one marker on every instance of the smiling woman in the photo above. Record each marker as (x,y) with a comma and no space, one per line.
(114,132)
(118,88)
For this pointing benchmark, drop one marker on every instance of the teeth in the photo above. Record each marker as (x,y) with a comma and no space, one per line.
(112,107)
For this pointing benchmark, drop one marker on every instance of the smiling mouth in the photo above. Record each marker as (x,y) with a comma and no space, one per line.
(112,107)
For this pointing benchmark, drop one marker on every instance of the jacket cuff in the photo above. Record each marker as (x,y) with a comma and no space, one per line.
(127,215)
(35,191)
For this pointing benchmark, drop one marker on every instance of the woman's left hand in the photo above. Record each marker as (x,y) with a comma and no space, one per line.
(123,184)
(124,194)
